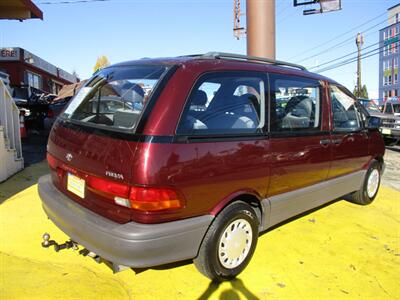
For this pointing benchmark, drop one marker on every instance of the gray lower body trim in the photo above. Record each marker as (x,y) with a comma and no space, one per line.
(131,244)
(287,205)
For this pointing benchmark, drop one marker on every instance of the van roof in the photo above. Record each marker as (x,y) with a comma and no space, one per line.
(232,60)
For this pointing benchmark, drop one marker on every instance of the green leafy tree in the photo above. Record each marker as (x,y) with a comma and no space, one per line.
(102,62)
(363,93)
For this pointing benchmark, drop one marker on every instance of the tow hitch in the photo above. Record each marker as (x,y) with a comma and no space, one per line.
(57,247)
(84,252)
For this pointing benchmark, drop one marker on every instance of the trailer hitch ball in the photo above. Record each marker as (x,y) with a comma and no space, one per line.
(57,247)
(46,238)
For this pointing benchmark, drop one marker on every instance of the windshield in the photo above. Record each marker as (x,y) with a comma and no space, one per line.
(115,97)
(396,108)
(370,106)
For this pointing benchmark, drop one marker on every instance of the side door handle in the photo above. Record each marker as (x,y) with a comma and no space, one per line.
(325,142)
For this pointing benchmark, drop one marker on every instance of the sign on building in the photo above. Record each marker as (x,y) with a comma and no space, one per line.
(9,54)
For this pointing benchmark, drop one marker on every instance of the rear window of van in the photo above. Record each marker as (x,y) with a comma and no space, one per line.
(115,97)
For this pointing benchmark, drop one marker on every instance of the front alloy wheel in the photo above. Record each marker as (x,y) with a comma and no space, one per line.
(370,186)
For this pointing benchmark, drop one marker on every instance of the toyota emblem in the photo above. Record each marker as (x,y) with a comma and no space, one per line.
(69,156)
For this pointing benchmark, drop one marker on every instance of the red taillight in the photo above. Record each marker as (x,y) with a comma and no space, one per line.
(54,164)
(108,187)
(154,199)
(52,161)
(137,198)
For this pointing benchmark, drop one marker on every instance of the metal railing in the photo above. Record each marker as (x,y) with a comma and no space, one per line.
(9,121)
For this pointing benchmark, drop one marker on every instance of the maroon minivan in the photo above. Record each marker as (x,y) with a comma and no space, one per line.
(161,160)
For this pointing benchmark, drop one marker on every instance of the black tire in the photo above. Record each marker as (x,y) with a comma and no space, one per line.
(208,261)
(363,197)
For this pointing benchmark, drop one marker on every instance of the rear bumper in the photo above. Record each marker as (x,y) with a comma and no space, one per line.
(131,244)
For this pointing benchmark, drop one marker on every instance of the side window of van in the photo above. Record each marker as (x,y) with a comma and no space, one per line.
(295,104)
(225,103)
(345,114)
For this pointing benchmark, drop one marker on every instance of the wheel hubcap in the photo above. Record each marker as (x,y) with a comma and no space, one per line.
(235,243)
(373,183)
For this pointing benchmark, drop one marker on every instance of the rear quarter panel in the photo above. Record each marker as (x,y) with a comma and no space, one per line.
(205,173)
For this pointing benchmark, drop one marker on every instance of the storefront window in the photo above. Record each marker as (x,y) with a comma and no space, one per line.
(56,87)
(34,80)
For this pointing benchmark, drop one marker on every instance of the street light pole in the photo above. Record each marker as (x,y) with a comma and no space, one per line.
(260,16)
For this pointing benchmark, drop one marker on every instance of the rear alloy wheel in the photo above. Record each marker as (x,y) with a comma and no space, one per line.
(229,242)
(370,186)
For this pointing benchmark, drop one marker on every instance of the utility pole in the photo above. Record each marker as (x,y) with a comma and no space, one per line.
(238,29)
(260,17)
(359,43)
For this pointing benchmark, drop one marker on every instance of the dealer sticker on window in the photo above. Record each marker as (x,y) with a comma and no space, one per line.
(76,185)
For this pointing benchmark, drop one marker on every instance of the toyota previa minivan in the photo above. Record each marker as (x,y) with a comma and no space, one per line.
(162,160)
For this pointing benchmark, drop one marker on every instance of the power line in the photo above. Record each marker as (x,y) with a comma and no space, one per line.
(338,36)
(351,60)
(286,17)
(381,48)
(338,66)
(333,60)
(342,43)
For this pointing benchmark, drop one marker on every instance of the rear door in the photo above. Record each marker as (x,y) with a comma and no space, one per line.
(300,151)
(94,140)
(223,149)
(349,137)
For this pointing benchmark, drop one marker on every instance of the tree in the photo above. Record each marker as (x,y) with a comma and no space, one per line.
(363,93)
(102,62)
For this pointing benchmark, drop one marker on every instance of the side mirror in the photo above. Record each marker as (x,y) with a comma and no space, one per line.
(374,122)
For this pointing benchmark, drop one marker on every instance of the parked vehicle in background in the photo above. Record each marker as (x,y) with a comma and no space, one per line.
(37,102)
(391,122)
(371,107)
(225,146)
(60,101)
(53,111)
(374,110)
(392,107)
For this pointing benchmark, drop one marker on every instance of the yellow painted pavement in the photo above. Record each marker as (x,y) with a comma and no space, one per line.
(341,251)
